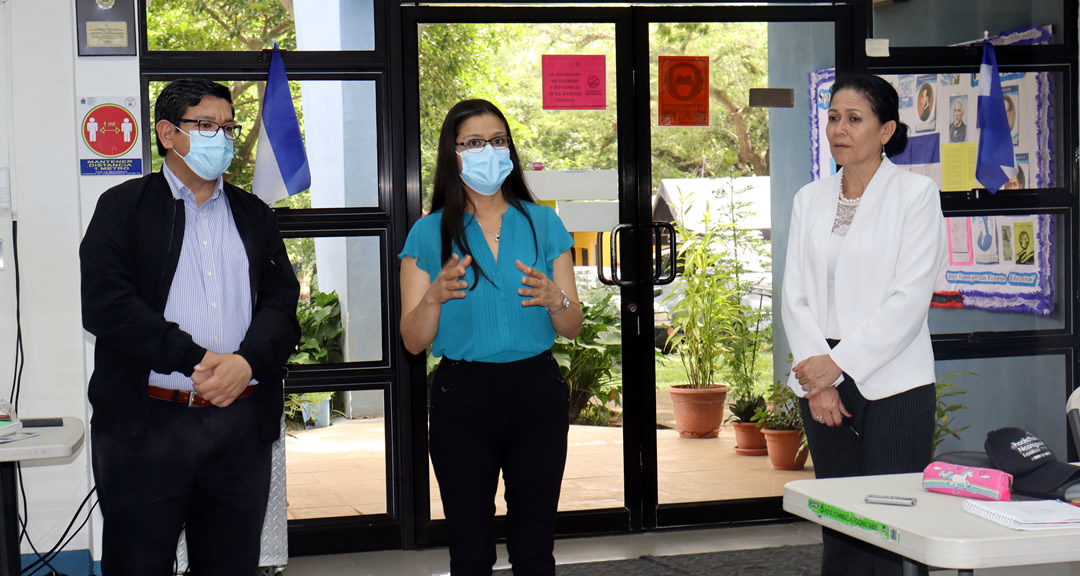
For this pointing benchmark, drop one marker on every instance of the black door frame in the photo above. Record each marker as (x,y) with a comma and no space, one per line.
(642,511)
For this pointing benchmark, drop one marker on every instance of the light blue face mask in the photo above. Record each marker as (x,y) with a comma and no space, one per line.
(208,157)
(486,170)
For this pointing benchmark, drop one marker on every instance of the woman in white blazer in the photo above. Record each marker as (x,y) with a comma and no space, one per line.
(865,247)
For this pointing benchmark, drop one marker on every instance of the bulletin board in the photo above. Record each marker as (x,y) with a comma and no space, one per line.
(940,111)
(998,263)
(986,267)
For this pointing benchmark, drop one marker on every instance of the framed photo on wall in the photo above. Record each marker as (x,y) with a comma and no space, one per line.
(106,27)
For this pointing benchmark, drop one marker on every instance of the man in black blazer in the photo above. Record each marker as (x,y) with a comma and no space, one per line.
(188,288)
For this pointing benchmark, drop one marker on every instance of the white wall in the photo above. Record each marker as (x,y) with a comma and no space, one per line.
(41,78)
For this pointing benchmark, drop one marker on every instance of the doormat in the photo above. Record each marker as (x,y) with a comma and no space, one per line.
(781,560)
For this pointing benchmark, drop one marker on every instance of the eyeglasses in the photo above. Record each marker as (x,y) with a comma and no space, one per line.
(209,128)
(478,144)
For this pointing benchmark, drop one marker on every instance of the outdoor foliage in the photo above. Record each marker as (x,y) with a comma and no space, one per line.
(320,330)
(502,63)
(590,364)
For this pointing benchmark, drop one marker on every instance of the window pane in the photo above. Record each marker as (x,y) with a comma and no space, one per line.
(340,309)
(338,121)
(933,23)
(1040,381)
(255,25)
(335,454)
(505,64)
(940,111)
(1001,274)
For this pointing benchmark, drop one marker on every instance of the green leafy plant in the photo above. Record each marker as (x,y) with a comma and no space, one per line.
(702,317)
(320,342)
(745,407)
(294,408)
(751,325)
(946,411)
(590,363)
(781,410)
(714,331)
(320,330)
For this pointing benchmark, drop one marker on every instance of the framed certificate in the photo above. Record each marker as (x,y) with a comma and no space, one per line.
(106,27)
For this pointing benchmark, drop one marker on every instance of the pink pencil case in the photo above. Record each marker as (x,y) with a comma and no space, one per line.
(958,480)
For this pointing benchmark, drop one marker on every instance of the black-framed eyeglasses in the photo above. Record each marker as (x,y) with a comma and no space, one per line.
(209,128)
(477,144)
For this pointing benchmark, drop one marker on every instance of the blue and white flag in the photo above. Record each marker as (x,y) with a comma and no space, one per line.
(281,166)
(995,163)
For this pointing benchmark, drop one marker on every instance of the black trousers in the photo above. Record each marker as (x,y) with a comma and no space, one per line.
(200,468)
(486,417)
(895,435)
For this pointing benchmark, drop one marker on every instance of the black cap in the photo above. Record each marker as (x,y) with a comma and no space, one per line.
(1035,470)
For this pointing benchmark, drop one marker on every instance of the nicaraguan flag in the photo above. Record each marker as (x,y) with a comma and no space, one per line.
(281,166)
(996,164)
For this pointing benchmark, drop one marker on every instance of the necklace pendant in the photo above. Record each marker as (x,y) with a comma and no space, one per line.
(497,237)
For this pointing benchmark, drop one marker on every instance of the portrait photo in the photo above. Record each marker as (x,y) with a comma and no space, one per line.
(958,105)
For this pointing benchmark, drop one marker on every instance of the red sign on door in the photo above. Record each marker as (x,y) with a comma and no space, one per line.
(109,130)
(684,91)
(574,82)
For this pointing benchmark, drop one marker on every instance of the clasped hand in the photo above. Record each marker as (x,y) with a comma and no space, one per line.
(816,375)
(221,378)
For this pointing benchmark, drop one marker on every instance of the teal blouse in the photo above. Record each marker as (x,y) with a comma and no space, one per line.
(489,324)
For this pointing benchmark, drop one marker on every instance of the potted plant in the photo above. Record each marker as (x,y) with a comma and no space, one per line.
(702,320)
(749,439)
(307,410)
(782,425)
(716,326)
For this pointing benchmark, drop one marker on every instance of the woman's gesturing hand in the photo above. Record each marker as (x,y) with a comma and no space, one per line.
(449,284)
(543,291)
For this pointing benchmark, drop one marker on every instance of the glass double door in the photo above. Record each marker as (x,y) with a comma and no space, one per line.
(633,123)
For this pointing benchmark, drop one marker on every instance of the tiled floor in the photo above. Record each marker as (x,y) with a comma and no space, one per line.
(340,470)
(670,542)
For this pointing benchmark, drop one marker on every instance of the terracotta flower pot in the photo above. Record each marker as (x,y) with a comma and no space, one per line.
(698,411)
(783,447)
(749,441)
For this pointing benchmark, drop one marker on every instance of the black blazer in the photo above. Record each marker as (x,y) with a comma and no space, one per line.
(128,258)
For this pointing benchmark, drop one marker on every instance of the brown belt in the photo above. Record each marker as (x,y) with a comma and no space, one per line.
(189,398)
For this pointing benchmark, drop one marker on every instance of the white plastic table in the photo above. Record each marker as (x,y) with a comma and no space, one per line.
(50,442)
(936,531)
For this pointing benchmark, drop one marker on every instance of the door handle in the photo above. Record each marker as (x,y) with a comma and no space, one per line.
(660,276)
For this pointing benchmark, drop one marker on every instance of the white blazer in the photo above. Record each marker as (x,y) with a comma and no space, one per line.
(885,275)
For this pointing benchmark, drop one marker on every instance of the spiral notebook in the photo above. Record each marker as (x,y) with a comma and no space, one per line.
(1027,514)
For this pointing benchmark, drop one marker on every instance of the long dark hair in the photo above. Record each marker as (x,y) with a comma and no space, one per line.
(448,194)
(884,102)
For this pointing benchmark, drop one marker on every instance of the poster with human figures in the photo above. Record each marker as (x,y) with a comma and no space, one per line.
(999,263)
(941,112)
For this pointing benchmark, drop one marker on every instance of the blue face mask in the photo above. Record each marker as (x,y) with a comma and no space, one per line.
(208,157)
(486,170)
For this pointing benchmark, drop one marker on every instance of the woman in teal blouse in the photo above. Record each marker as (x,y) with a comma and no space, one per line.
(487,279)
